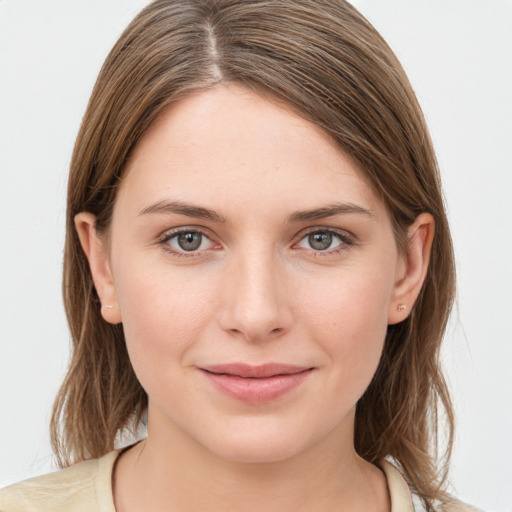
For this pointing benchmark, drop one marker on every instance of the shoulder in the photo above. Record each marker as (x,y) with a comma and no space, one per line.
(85,486)
(402,499)
(449,504)
(454,505)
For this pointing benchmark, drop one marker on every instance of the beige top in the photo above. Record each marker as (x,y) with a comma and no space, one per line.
(87,487)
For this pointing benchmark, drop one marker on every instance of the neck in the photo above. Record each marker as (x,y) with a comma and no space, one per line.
(170,471)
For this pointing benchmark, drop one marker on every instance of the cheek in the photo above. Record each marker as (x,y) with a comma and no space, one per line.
(348,319)
(163,317)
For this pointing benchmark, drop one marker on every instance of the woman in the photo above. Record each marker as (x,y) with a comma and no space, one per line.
(257,259)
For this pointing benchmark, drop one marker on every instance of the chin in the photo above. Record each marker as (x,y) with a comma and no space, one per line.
(260,443)
(262,451)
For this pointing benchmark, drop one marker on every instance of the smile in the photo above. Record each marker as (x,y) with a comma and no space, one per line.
(256,384)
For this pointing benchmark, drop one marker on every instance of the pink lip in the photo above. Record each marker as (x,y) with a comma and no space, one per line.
(255,384)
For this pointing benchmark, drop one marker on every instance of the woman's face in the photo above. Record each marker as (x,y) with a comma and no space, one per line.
(255,272)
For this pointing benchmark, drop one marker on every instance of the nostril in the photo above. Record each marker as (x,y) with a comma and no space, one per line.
(257,336)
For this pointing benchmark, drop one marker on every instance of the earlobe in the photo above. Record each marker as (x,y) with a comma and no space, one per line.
(97,254)
(412,270)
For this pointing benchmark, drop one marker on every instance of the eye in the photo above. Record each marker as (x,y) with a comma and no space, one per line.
(324,240)
(189,241)
(186,241)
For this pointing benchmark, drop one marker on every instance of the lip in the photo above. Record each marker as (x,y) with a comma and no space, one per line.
(255,384)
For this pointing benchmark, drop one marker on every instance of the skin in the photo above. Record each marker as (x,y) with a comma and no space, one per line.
(256,291)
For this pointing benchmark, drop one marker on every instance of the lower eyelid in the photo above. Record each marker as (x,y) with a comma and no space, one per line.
(164,240)
(344,238)
(344,241)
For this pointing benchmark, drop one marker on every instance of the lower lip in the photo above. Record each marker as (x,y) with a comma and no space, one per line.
(256,390)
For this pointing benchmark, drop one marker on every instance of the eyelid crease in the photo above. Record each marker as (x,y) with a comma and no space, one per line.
(346,236)
(170,233)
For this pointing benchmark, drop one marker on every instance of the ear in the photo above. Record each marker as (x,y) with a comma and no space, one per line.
(96,250)
(412,268)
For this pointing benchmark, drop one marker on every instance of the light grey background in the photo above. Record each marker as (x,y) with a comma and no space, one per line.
(458,54)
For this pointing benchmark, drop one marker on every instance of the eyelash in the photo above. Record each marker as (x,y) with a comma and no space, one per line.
(169,235)
(344,238)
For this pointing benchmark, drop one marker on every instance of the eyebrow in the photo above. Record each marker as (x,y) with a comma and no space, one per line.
(180,208)
(329,211)
(199,212)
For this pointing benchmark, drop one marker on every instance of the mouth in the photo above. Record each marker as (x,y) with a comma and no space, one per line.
(255,384)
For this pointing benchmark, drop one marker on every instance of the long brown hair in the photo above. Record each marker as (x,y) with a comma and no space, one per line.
(327,62)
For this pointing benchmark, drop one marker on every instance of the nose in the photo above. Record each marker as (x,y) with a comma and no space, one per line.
(256,303)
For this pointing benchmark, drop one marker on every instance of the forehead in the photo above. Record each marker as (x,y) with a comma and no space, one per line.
(229,146)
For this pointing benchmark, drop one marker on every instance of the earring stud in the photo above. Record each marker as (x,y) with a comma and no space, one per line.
(401,307)
(109,306)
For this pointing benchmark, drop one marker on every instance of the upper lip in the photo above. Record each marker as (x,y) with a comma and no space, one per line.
(255,371)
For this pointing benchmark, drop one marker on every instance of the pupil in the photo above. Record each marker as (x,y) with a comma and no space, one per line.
(320,241)
(189,241)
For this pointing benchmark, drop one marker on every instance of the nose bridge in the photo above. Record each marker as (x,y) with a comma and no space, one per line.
(255,307)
